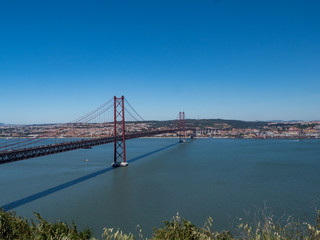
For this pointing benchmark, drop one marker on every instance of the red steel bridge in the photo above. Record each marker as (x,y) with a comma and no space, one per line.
(51,142)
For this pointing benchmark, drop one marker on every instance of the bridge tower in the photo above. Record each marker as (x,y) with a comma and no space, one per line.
(119,133)
(182,127)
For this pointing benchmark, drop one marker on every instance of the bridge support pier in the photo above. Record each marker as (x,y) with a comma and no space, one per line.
(119,133)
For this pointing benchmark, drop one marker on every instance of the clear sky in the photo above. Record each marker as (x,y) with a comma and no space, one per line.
(231,59)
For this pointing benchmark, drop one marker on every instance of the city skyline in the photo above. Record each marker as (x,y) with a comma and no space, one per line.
(244,60)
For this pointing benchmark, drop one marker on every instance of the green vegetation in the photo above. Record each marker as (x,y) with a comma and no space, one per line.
(14,227)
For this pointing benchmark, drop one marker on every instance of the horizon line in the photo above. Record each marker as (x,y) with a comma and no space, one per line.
(197,119)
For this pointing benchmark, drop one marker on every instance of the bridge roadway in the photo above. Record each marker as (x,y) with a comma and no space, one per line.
(25,153)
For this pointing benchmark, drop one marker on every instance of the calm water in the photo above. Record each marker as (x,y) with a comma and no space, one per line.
(221,178)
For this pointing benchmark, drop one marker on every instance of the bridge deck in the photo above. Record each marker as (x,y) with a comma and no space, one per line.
(32,152)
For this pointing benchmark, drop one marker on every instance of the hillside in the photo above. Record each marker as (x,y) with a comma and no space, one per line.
(213,123)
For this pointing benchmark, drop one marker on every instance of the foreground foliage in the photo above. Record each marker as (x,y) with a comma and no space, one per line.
(15,227)
(264,228)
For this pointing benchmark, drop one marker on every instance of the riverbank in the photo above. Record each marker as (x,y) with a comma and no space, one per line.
(198,137)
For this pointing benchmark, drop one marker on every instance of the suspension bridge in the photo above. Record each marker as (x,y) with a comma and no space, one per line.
(52,142)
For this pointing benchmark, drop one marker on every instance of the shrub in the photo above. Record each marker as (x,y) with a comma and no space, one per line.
(15,227)
(263,228)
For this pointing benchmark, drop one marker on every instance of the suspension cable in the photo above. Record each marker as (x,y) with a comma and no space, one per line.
(88,117)
(134,110)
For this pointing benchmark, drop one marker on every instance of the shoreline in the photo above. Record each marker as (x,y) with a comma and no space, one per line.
(292,138)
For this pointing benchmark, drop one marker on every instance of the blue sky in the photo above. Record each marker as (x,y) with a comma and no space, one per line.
(231,59)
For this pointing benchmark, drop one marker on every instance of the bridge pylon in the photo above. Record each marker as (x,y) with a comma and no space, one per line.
(182,127)
(119,133)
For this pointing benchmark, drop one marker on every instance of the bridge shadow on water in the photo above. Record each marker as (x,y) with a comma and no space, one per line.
(49,191)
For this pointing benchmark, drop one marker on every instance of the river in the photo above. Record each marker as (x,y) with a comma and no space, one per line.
(221,178)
